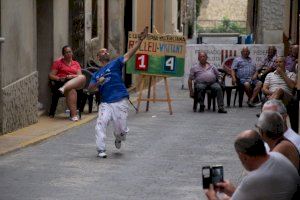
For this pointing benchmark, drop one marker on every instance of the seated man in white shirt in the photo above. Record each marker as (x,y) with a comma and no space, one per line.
(280,83)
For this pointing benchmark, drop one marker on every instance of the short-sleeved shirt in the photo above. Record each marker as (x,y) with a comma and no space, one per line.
(201,75)
(277,178)
(245,68)
(269,63)
(113,88)
(290,63)
(275,81)
(63,69)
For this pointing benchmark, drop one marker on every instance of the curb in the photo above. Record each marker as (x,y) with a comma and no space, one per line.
(40,138)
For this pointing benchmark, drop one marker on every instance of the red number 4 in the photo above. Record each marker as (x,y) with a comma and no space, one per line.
(141,62)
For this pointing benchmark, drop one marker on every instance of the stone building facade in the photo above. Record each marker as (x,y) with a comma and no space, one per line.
(266,21)
(213,11)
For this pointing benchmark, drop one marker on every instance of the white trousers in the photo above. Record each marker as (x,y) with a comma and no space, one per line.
(116,112)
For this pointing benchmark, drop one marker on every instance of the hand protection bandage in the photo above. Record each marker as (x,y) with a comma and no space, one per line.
(101,80)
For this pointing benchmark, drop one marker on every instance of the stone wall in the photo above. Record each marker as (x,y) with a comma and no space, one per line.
(116,41)
(20,103)
(216,10)
(270,21)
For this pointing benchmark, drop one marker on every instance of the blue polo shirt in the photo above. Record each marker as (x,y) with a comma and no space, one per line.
(113,88)
(245,68)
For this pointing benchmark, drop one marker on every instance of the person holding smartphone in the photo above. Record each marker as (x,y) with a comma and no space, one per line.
(271,176)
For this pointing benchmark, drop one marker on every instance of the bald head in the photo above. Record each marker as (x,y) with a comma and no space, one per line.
(280,62)
(250,143)
(272,51)
(103,55)
(202,57)
(295,50)
(245,52)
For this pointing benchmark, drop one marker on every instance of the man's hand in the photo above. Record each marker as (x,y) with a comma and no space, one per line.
(226,187)
(143,34)
(68,77)
(100,80)
(137,45)
(211,193)
(280,71)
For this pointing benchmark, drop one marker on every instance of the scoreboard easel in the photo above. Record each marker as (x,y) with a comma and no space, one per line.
(159,56)
(153,99)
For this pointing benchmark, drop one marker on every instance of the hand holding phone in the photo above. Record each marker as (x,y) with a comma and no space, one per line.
(212,175)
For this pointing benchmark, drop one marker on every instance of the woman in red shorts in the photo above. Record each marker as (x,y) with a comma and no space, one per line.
(67,74)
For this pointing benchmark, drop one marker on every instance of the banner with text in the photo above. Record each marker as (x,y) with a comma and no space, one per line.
(158,54)
(218,54)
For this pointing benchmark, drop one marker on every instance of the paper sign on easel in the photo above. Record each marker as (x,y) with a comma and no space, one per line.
(158,54)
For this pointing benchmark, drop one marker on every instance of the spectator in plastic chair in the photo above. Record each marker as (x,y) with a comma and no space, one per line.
(268,65)
(205,75)
(67,75)
(280,83)
(291,59)
(271,176)
(244,69)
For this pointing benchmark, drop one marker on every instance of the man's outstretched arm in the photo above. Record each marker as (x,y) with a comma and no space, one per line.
(136,46)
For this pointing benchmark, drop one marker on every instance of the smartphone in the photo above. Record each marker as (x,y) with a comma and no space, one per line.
(217,174)
(206,177)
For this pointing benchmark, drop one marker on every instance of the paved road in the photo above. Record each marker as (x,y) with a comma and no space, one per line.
(161,159)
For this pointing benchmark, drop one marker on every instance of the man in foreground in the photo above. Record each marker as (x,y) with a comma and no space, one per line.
(271,176)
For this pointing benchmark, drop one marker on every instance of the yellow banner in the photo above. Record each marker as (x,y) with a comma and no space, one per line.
(159,45)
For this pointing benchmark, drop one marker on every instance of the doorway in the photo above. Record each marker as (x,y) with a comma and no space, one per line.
(127,28)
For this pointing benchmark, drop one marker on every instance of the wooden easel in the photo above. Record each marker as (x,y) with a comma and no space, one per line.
(154,99)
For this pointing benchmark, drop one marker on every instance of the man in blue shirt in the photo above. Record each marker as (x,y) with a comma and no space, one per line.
(244,69)
(114,95)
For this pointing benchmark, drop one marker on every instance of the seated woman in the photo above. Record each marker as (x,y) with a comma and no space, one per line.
(67,75)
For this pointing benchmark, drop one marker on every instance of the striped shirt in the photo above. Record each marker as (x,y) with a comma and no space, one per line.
(275,81)
(269,63)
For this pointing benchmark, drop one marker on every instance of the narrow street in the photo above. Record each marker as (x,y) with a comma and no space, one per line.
(162,157)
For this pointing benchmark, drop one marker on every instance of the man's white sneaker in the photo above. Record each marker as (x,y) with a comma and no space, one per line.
(118,143)
(102,154)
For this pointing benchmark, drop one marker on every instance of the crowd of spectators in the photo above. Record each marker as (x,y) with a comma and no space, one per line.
(271,151)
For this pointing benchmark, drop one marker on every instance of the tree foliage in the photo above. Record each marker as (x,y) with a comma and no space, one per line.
(226,26)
